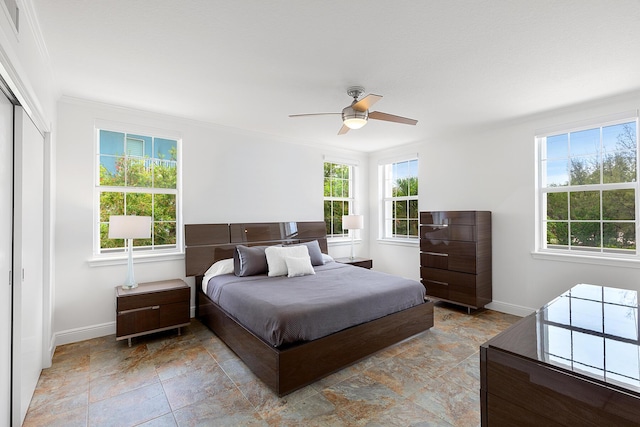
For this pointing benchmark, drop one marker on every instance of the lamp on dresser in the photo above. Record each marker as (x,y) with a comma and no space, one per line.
(352,223)
(129,227)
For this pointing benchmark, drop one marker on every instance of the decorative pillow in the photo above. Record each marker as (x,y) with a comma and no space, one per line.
(326,258)
(276,255)
(298,266)
(249,260)
(314,252)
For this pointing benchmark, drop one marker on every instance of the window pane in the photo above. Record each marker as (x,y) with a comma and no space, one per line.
(557,233)
(585,234)
(413,209)
(112,171)
(328,215)
(111,143)
(585,170)
(138,175)
(557,173)
(621,137)
(401,227)
(164,233)
(558,206)
(558,146)
(164,207)
(139,204)
(400,209)
(585,205)
(413,228)
(111,204)
(619,167)
(585,142)
(619,235)
(165,173)
(619,204)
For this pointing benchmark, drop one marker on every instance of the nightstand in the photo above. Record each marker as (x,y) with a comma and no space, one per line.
(358,262)
(152,307)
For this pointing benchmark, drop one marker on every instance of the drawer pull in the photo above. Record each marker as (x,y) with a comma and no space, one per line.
(437,225)
(436,282)
(435,254)
(133,310)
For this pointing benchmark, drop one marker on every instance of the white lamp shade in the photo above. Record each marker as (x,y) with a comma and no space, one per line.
(129,227)
(352,222)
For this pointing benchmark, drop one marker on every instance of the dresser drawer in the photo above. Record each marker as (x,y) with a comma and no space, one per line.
(461,287)
(448,217)
(454,256)
(466,233)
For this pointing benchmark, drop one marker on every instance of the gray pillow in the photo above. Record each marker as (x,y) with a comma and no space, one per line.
(249,260)
(314,252)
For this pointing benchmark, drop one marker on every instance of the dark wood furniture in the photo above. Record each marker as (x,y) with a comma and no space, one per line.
(289,367)
(455,256)
(152,307)
(358,262)
(574,362)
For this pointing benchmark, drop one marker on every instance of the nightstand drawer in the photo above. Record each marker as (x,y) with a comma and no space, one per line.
(148,299)
(358,262)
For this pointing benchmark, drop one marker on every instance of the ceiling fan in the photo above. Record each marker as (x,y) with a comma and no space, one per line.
(356,115)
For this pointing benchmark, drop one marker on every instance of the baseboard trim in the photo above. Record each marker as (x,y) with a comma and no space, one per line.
(505,307)
(89,332)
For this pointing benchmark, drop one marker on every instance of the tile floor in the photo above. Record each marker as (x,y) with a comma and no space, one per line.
(164,379)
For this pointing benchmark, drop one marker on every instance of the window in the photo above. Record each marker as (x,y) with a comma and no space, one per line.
(138,175)
(338,196)
(588,189)
(400,199)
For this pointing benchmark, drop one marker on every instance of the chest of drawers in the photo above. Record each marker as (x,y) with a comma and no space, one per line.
(455,256)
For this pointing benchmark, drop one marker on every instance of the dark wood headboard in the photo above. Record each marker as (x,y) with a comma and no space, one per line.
(208,243)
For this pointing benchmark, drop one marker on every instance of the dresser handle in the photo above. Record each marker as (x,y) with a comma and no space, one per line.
(155,307)
(437,225)
(435,253)
(438,283)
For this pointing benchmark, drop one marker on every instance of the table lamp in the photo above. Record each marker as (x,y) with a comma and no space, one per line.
(129,227)
(352,222)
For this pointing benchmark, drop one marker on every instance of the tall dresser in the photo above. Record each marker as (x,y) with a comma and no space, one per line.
(455,256)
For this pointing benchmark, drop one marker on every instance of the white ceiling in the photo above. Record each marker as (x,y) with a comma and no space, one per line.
(250,63)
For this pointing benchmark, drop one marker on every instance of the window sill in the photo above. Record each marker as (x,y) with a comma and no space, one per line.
(342,242)
(400,242)
(587,259)
(119,259)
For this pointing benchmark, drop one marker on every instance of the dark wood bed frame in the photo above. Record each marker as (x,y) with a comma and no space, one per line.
(290,367)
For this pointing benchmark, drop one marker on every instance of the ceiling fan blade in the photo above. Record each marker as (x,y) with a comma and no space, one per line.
(344,129)
(365,103)
(377,115)
(312,114)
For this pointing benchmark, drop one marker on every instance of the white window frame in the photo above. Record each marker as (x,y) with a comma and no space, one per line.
(350,199)
(582,254)
(148,253)
(386,215)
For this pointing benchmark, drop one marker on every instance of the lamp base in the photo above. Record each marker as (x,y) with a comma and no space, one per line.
(129,286)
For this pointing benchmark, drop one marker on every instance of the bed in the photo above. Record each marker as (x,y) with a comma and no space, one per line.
(286,363)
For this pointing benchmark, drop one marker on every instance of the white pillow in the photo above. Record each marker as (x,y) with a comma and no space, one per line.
(224,266)
(299,266)
(326,258)
(276,255)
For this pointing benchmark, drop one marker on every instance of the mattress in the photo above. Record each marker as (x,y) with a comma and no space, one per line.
(283,310)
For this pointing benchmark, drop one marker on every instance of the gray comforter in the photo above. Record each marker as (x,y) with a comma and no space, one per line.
(285,310)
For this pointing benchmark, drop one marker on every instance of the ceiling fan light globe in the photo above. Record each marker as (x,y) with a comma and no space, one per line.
(354,119)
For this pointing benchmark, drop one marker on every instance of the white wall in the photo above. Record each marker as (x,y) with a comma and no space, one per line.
(493,169)
(227,176)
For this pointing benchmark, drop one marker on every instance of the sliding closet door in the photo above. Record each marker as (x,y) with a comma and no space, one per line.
(28,262)
(6,238)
